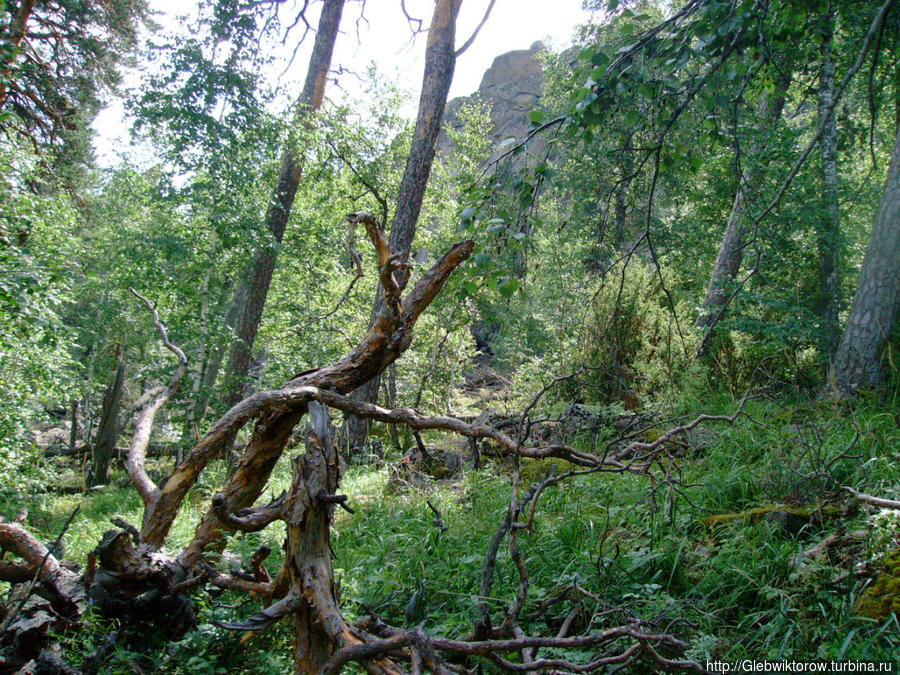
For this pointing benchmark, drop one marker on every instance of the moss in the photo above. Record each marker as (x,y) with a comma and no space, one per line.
(533,470)
(882,597)
(652,435)
(774,512)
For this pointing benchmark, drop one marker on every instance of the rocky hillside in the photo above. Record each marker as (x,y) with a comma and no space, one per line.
(512,86)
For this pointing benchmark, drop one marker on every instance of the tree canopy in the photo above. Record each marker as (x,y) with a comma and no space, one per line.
(363,380)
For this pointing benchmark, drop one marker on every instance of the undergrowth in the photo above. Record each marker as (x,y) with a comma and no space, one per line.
(733,591)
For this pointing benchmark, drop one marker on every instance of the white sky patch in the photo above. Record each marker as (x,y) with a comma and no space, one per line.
(384,38)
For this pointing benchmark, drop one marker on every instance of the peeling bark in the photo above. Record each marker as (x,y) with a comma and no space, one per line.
(388,337)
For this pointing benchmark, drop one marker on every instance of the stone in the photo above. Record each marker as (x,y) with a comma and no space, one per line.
(512,87)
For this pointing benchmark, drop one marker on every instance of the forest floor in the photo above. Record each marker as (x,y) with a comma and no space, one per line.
(734,587)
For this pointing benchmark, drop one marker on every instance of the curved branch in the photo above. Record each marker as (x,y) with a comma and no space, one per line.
(468,43)
(643,643)
(387,338)
(266,617)
(249,520)
(137,452)
(871,499)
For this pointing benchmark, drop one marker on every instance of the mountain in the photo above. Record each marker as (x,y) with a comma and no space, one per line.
(512,87)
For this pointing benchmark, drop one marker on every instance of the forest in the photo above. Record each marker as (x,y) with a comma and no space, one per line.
(342,378)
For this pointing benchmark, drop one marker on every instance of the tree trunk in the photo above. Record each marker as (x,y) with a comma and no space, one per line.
(191,431)
(829,226)
(385,341)
(73,429)
(317,474)
(621,193)
(251,299)
(440,60)
(857,363)
(14,35)
(731,254)
(731,250)
(621,219)
(105,444)
(217,353)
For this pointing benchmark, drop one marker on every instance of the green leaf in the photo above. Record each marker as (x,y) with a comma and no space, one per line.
(537,116)
(507,287)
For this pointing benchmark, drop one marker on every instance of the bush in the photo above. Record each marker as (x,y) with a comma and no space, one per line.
(34,286)
(633,341)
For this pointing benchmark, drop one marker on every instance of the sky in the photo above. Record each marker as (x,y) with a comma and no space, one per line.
(385,37)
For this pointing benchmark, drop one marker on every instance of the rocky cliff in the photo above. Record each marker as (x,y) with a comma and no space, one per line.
(512,87)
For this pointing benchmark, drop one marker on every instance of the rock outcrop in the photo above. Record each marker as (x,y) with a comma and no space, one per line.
(512,87)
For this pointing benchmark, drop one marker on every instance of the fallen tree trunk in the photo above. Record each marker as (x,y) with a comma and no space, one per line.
(130,576)
(119,452)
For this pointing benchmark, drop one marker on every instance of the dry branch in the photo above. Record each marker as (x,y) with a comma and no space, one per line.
(874,501)
(252,519)
(388,337)
(137,452)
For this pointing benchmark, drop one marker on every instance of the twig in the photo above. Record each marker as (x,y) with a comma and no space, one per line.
(874,501)
(468,43)
(438,521)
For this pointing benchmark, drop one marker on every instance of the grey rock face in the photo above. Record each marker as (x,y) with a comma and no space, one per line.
(512,87)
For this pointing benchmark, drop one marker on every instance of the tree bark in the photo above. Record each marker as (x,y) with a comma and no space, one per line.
(731,249)
(829,226)
(317,473)
(386,340)
(857,363)
(104,448)
(191,431)
(440,60)
(251,299)
(73,429)
(621,192)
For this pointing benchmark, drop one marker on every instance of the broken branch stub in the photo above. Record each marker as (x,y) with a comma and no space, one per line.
(277,414)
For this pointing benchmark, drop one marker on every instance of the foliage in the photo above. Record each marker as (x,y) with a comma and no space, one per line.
(739,591)
(36,257)
(634,341)
(87,44)
(594,241)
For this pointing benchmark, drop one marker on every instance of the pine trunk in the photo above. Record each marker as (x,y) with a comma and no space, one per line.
(251,299)
(857,363)
(440,60)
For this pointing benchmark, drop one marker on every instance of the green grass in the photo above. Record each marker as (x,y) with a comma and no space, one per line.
(731,593)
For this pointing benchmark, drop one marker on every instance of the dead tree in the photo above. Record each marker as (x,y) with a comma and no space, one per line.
(250,296)
(104,448)
(132,576)
(440,61)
